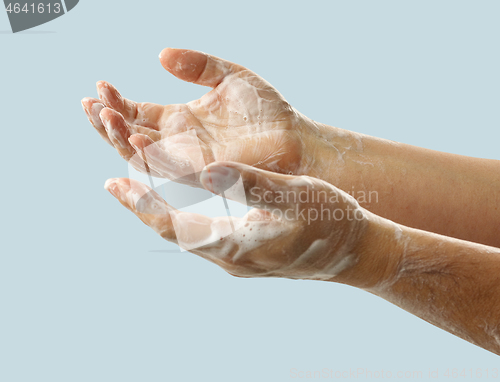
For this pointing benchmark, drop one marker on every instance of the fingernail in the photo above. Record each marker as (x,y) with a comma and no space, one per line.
(100,85)
(84,105)
(104,94)
(95,111)
(104,121)
(112,187)
(219,178)
(103,90)
(125,194)
(135,147)
(138,151)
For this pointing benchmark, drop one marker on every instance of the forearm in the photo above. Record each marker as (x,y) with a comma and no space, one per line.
(450,283)
(444,193)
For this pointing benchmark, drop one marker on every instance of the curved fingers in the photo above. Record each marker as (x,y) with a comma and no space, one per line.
(231,243)
(92,108)
(178,157)
(145,203)
(145,113)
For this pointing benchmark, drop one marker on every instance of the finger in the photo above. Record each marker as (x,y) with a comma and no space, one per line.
(190,230)
(139,165)
(258,188)
(228,242)
(118,131)
(152,156)
(92,108)
(178,157)
(197,67)
(145,203)
(145,114)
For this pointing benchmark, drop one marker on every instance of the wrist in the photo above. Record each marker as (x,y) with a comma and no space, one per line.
(361,165)
(332,154)
(378,252)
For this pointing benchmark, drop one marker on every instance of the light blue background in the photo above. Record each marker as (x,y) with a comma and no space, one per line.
(83,298)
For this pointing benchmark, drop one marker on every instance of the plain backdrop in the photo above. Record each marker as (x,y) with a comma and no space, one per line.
(84,293)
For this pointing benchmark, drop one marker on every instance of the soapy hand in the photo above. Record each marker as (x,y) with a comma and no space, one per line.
(300,227)
(242,119)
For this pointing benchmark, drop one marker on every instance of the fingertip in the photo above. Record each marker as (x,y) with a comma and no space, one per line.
(133,141)
(110,182)
(140,141)
(206,179)
(86,105)
(107,118)
(111,115)
(136,144)
(111,186)
(89,103)
(100,85)
(85,101)
(104,89)
(164,52)
(104,114)
(219,176)
(185,64)
(223,167)
(120,188)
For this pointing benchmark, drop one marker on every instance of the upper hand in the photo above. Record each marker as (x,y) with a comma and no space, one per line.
(242,119)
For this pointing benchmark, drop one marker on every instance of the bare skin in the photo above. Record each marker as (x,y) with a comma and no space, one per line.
(450,283)
(245,125)
(244,119)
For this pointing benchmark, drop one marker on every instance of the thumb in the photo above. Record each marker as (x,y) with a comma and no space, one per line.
(197,67)
(259,188)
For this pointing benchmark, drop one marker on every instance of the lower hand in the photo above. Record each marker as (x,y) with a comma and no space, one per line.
(300,227)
